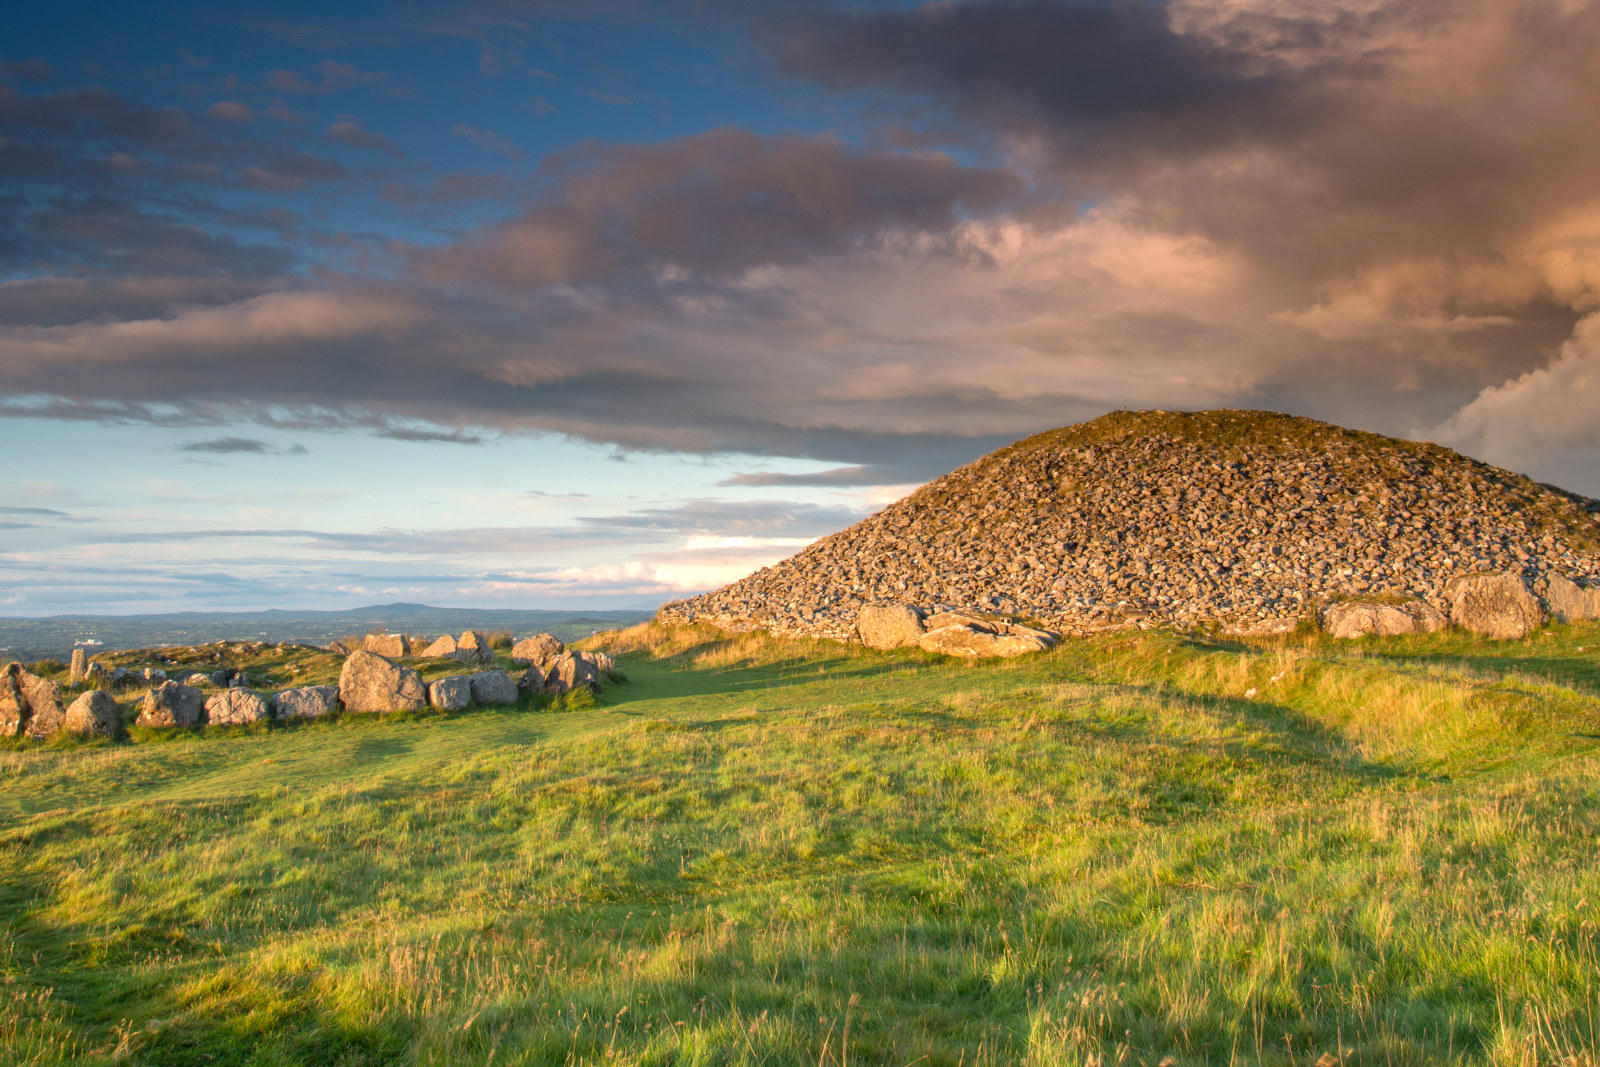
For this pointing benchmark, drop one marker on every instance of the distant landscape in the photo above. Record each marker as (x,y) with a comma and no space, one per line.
(56,636)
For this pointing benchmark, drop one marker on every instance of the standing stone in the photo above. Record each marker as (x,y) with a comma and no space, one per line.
(445,646)
(171,704)
(1357,619)
(492,687)
(154,674)
(1571,602)
(237,707)
(1495,605)
(473,647)
(368,682)
(539,649)
(450,694)
(889,625)
(391,645)
(94,714)
(307,702)
(46,713)
(80,666)
(13,705)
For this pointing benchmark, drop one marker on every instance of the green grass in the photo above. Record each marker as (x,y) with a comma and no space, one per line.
(1134,850)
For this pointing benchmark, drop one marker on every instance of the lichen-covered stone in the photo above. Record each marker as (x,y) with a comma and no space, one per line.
(889,625)
(237,707)
(93,714)
(1495,605)
(492,687)
(538,649)
(1571,602)
(171,704)
(392,646)
(306,702)
(450,694)
(1358,619)
(370,683)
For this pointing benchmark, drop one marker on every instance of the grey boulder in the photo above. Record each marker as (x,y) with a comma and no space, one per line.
(889,625)
(1495,605)
(538,649)
(94,714)
(237,707)
(492,687)
(171,704)
(307,702)
(1571,602)
(1358,619)
(392,645)
(450,694)
(370,683)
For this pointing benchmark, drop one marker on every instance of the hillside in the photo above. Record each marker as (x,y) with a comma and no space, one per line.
(55,636)
(1244,518)
(1135,849)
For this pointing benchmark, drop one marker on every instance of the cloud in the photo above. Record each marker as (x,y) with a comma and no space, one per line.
(227,446)
(349,131)
(50,512)
(488,140)
(230,111)
(325,78)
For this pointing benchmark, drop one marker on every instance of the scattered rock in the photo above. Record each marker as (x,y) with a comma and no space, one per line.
(1571,602)
(197,679)
(1358,619)
(444,647)
(1495,605)
(1142,519)
(237,707)
(539,649)
(154,675)
(94,714)
(220,678)
(338,646)
(171,704)
(492,687)
(391,645)
(370,683)
(450,694)
(307,702)
(889,625)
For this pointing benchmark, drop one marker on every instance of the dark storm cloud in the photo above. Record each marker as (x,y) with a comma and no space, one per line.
(1088,71)
(718,202)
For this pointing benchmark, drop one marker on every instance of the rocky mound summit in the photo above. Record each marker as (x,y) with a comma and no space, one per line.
(1250,519)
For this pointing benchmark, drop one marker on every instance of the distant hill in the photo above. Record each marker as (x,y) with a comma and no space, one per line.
(32,639)
(1247,518)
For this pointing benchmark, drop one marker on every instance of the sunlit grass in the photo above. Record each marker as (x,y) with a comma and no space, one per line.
(1137,850)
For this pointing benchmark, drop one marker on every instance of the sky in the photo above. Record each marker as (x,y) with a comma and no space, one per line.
(551,304)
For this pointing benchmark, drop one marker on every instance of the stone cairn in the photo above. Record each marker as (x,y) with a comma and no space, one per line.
(369,681)
(1248,521)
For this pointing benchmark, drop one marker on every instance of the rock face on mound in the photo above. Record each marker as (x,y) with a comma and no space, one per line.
(1249,519)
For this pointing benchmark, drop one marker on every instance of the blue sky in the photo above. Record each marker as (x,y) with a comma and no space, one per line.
(548,303)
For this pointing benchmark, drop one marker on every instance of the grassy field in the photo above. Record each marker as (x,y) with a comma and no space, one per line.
(1136,850)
